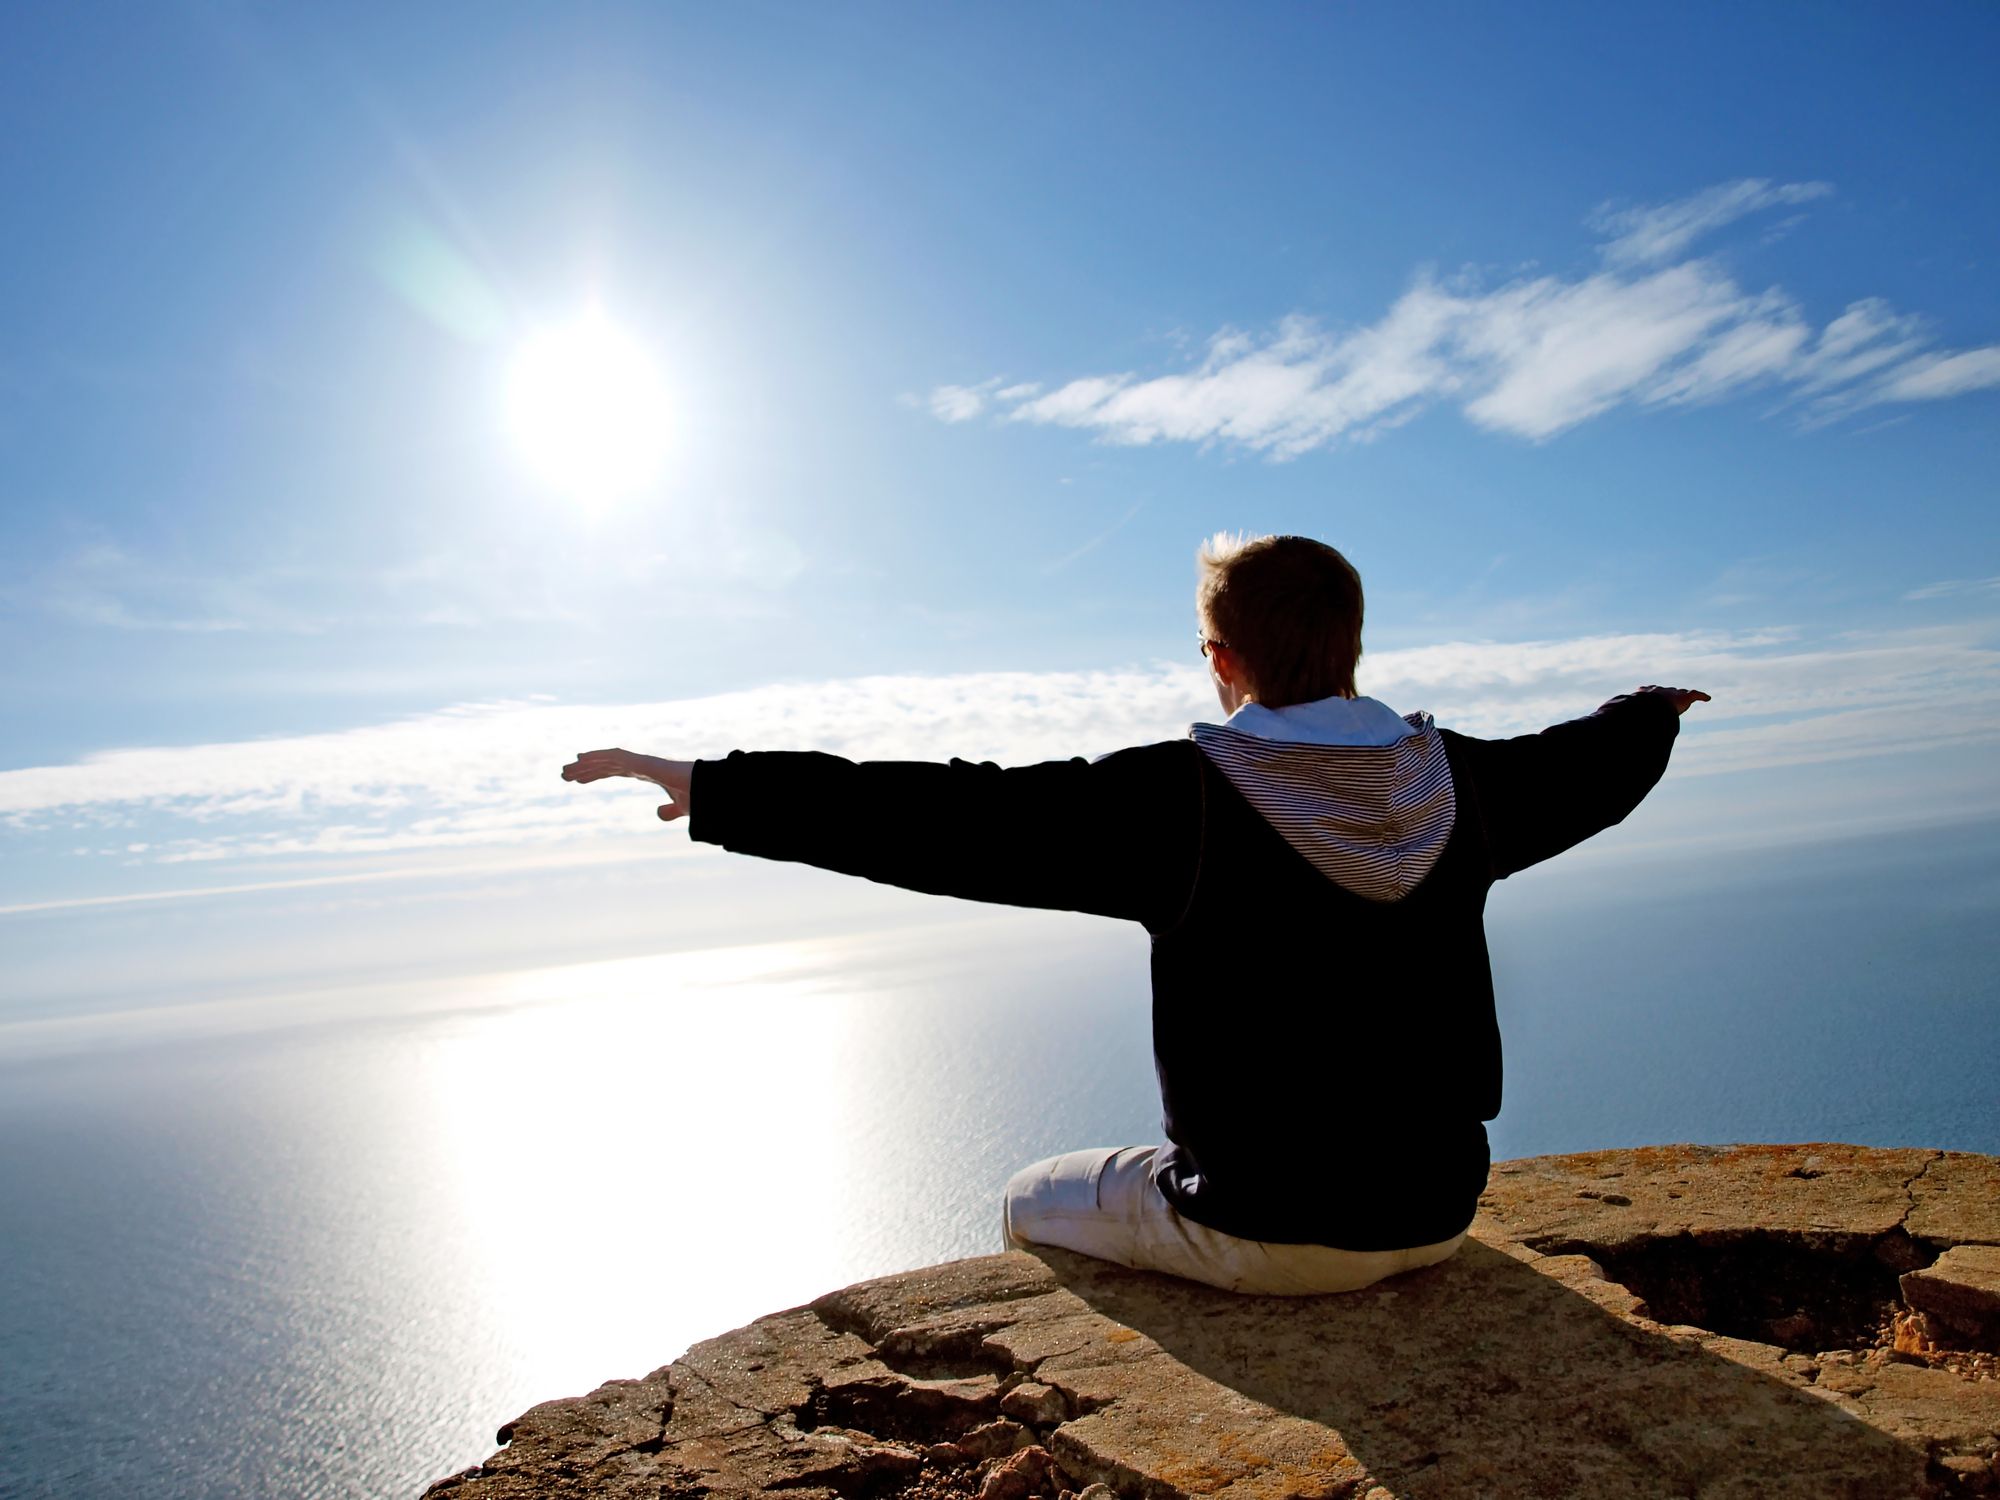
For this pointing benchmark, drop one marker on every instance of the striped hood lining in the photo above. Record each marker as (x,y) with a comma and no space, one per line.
(1372,818)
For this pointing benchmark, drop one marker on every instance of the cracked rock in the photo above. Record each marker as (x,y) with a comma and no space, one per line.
(1962,1292)
(995,1439)
(1034,1403)
(1029,1472)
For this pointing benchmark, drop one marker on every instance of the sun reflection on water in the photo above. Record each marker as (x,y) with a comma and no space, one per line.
(331,1256)
(602,1137)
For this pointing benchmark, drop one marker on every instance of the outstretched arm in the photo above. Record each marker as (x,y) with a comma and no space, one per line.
(1118,836)
(1543,793)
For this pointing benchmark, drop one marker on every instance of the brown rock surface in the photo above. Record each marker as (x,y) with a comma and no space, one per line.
(1961,1291)
(1670,1321)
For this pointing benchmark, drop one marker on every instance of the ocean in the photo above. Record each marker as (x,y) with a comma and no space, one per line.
(326,1251)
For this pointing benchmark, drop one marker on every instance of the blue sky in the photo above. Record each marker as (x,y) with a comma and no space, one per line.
(1612,343)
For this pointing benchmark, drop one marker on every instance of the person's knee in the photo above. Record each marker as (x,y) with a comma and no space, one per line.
(1009,1240)
(1055,1202)
(1016,1202)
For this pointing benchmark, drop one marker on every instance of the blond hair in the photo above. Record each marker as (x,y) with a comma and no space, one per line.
(1290,609)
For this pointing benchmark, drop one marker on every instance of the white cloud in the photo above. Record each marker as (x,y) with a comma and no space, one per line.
(1531,357)
(1753,351)
(1291,393)
(487,776)
(1646,234)
(1554,354)
(1861,341)
(1931,376)
(1072,405)
(961,403)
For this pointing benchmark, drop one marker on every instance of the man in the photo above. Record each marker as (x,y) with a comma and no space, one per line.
(1313,872)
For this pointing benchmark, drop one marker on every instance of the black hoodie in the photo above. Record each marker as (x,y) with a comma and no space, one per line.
(1323,1023)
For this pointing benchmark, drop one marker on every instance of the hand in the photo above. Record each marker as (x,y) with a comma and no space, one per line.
(675,776)
(1680,697)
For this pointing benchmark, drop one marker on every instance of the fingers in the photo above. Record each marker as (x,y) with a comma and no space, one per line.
(1682,698)
(671,776)
(1693,695)
(595,765)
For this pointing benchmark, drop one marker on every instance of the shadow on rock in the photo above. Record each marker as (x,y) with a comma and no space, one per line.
(1487,1376)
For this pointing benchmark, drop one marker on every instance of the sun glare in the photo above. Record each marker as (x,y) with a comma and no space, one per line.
(587,407)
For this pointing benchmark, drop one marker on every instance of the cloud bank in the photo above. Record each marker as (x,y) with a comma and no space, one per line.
(1531,357)
(486,776)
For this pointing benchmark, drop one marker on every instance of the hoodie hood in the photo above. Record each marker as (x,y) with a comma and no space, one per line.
(1364,793)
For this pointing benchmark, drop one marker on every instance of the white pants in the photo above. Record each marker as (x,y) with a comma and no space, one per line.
(1103,1203)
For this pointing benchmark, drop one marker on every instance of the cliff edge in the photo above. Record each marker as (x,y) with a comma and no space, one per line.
(1815,1321)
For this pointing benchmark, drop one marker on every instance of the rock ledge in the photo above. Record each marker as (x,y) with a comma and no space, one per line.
(1811,1321)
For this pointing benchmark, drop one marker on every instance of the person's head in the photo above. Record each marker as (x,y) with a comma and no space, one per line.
(1280,618)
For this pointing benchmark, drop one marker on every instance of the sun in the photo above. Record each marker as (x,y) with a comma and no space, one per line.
(588,410)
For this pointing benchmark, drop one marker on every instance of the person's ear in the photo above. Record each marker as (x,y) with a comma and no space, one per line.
(1239,676)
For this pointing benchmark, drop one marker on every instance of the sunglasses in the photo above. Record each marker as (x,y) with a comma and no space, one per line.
(1207,641)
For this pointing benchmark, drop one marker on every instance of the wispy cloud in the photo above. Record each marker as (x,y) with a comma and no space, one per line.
(483,869)
(1531,357)
(103,581)
(102,584)
(1056,565)
(1932,376)
(960,403)
(1648,233)
(486,775)
(1947,587)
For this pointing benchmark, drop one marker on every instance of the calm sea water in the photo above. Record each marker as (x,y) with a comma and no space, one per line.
(329,1260)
